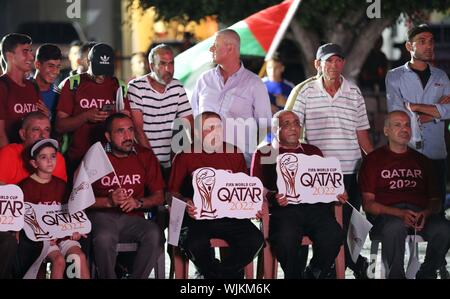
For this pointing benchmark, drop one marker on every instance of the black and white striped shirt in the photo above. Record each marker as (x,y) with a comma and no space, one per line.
(159,110)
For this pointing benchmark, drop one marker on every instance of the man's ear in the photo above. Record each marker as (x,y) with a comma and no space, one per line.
(37,65)
(408,46)
(317,64)
(385,131)
(7,56)
(108,136)
(22,134)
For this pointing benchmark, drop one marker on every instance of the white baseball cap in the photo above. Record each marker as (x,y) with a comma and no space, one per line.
(38,144)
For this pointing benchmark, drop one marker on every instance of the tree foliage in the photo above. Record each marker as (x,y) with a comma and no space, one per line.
(311,12)
(341,21)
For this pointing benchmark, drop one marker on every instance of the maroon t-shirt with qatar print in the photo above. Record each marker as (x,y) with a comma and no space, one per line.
(398,178)
(137,173)
(184,164)
(87,95)
(53,192)
(16,102)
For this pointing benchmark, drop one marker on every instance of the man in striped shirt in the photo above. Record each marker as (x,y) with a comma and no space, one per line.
(156,100)
(333,114)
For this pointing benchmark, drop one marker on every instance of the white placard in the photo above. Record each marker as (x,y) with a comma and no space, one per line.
(176,219)
(309,179)
(11,208)
(219,194)
(48,222)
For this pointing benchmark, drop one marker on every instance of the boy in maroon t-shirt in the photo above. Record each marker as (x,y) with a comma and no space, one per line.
(85,102)
(18,96)
(244,238)
(43,188)
(120,200)
(400,197)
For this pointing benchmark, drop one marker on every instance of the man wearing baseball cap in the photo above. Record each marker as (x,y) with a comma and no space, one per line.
(426,90)
(86,100)
(337,124)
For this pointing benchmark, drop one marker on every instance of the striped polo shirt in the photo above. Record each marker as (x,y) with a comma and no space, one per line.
(159,110)
(331,123)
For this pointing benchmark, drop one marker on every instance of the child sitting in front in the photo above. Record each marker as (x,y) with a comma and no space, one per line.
(43,188)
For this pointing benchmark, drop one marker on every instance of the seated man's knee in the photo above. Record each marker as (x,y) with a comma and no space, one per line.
(286,238)
(196,244)
(104,239)
(152,235)
(394,228)
(441,231)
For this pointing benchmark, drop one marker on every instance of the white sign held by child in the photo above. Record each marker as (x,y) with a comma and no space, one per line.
(219,194)
(49,222)
(11,208)
(309,179)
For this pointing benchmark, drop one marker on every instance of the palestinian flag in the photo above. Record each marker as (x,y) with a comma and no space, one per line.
(260,34)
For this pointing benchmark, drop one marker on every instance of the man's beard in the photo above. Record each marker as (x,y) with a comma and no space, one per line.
(121,150)
(159,79)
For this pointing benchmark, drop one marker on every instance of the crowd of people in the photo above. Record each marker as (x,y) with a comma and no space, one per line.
(46,129)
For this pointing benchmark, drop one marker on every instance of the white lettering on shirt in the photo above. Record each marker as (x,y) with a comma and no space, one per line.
(129,179)
(24,108)
(94,103)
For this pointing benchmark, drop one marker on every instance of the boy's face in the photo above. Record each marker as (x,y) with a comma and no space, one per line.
(45,161)
(48,70)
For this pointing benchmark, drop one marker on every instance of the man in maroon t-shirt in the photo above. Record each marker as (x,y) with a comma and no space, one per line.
(400,197)
(244,238)
(288,223)
(18,96)
(120,197)
(85,102)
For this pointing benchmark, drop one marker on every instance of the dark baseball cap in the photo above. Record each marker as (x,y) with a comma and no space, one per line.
(417,30)
(326,51)
(101,57)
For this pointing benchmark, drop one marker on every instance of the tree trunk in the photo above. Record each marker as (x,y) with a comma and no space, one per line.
(308,42)
(357,47)
(362,45)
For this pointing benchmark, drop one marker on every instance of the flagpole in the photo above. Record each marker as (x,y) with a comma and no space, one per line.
(283,27)
(279,35)
(352,206)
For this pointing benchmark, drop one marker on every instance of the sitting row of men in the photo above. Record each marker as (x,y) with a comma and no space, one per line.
(117,215)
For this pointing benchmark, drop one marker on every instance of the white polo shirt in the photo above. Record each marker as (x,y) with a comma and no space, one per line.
(331,122)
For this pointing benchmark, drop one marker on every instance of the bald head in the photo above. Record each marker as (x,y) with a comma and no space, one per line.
(393,114)
(397,128)
(230,36)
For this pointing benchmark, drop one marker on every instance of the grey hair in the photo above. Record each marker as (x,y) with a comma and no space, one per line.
(156,50)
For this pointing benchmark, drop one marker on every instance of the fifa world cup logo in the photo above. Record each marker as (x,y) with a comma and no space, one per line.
(205,180)
(289,167)
(30,219)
